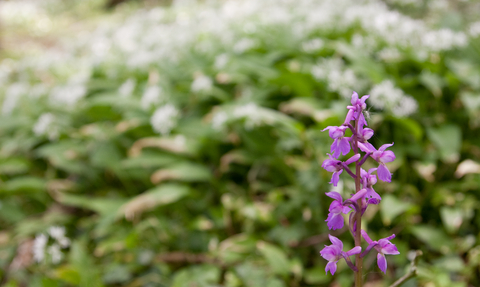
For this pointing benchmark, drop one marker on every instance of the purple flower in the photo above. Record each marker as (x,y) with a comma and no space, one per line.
(335,252)
(368,180)
(382,156)
(341,143)
(337,207)
(383,246)
(358,105)
(333,165)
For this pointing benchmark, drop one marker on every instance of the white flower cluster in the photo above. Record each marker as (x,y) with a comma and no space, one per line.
(386,96)
(338,78)
(45,125)
(164,119)
(57,233)
(216,31)
(250,113)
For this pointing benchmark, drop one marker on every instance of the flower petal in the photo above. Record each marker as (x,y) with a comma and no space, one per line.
(354,98)
(337,242)
(334,221)
(387,156)
(344,146)
(354,250)
(383,173)
(385,146)
(336,177)
(366,237)
(335,195)
(332,267)
(329,253)
(382,262)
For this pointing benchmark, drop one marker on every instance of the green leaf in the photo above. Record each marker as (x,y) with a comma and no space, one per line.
(276,258)
(448,140)
(24,184)
(201,276)
(316,275)
(391,207)
(186,171)
(12,166)
(150,199)
(452,218)
(433,237)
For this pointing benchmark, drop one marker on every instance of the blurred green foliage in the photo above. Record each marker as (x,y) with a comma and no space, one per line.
(223,186)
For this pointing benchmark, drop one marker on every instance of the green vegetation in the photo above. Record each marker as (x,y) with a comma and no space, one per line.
(181,145)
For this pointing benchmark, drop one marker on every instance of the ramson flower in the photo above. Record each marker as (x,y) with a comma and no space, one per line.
(383,246)
(335,252)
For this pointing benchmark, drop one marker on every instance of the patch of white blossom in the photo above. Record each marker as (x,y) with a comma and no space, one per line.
(164,119)
(386,96)
(54,250)
(45,125)
(151,97)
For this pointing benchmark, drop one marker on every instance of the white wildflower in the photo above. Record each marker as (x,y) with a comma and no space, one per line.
(219,119)
(13,93)
(312,45)
(39,247)
(474,29)
(151,96)
(221,61)
(67,95)
(55,253)
(251,113)
(58,233)
(243,45)
(201,83)
(127,88)
(386,96)
(45,126)
(164,119)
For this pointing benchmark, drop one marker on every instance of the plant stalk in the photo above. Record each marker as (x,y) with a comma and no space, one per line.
(358,215)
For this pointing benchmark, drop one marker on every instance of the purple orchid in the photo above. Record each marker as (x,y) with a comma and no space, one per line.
(341,144)
(364,194)
(382,156)
(335,252)
(383,246)
(368,180)
(333,165)
(337,207)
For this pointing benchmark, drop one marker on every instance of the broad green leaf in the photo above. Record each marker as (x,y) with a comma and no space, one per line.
(150,199)
(202,276)
(433,237)
(276,257)
(14,166)
(448,140)
(391,207)
(186,171)
(452,218)
(24,184)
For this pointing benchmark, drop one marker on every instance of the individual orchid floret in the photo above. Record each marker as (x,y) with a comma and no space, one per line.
(364,134)
(341,144)
(368,180)
(337,207)
(355,110)
(333,253)
(383,246)
(333,165)
(382,156)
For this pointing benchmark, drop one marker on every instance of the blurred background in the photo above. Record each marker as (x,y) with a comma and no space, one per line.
(179,143)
